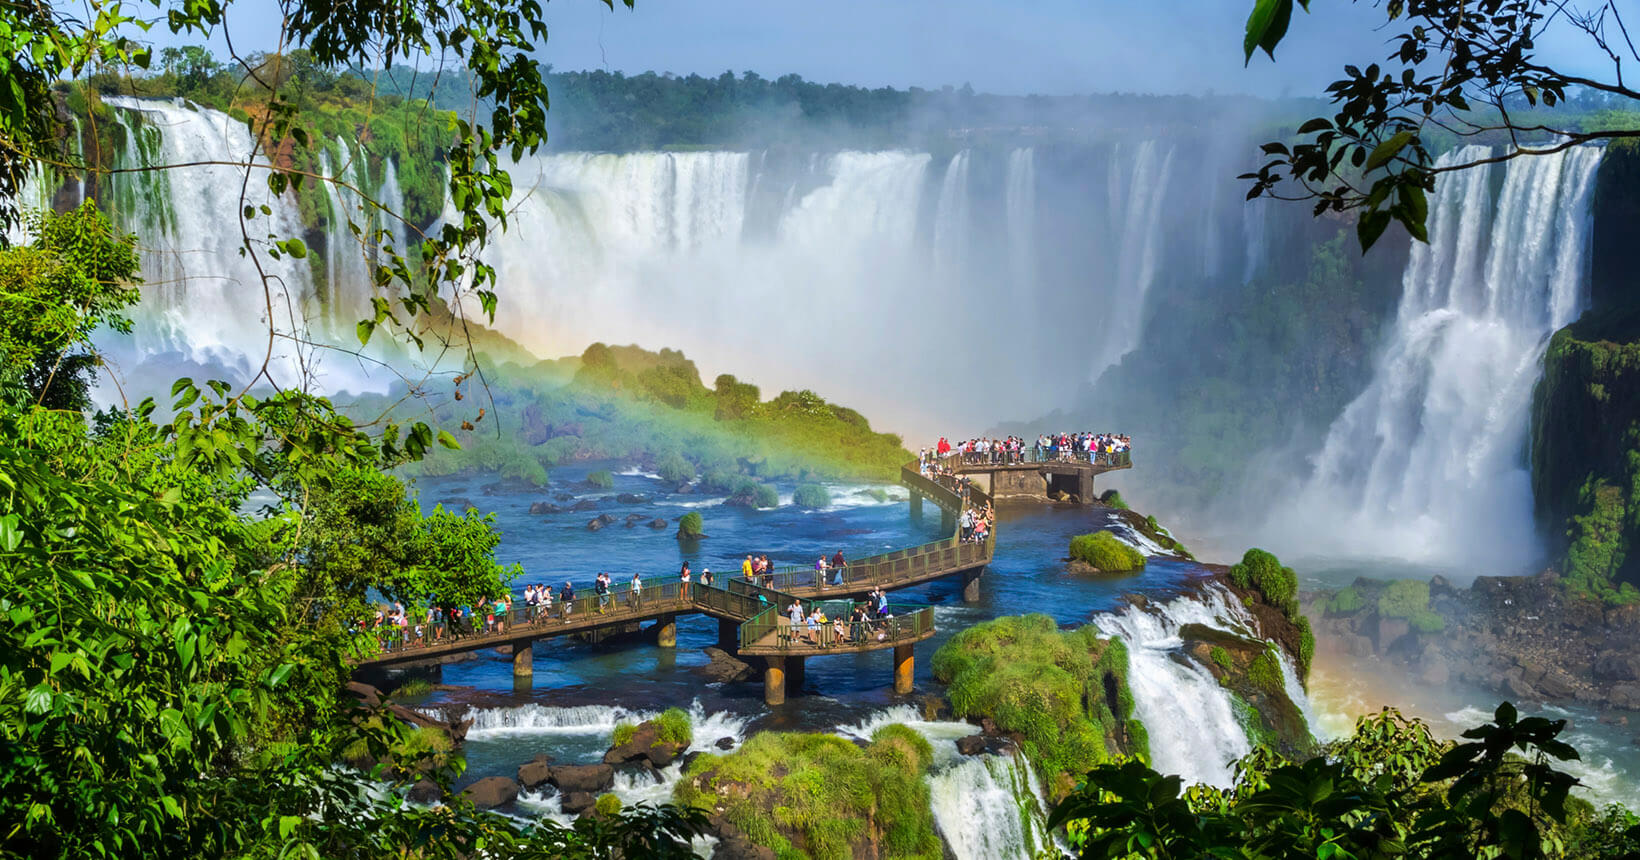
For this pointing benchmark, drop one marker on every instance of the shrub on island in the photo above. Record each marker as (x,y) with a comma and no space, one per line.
(1065,692)
(601,479)
(691,526)
(751,494)
(811,496)
(820,795)
(1262,572)
(1409,599)
(1106,552)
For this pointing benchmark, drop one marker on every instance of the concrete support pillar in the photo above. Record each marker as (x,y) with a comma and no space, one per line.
(903,669)
(666,631)
(948,521)
(916,505)
(524,659)
(970,585)
(794,674)
(1084,485)
(774,681)
(728,635)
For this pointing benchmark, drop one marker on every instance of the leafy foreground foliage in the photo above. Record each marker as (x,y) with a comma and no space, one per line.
(821,796)
(171,658)
(1389,790)
(1066,692)
(1106,552)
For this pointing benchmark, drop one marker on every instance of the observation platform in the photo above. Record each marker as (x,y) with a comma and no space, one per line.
(751,614)
(1040,477)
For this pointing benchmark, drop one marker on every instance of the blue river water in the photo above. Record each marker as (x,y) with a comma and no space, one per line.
(1027,575)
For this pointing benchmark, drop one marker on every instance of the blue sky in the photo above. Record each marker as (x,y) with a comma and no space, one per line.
(1052,47)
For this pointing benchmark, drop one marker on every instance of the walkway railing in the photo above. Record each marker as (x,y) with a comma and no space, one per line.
(903,623)
(1034,455)
(759,605)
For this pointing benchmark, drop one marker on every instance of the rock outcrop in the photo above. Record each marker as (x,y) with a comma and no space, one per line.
(491,792)
(645,746)
(589,778)
(725,668)
(536,772)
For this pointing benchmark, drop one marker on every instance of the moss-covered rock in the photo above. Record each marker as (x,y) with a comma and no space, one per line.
(1265,584)
(819,795)
(811,496)
(1104,552)
(1064,694)
(691,526)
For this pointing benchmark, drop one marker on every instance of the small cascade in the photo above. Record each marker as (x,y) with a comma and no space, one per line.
(1137,186)
(989,807)
(1427,464)
(1190,718)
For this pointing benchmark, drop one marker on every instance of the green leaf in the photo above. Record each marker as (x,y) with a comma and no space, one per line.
(288,825)
(448,441)
(1265,27)
(365,328)
(278,675)
(171,805)
(38,700)
(1388,149)
(1370,227)
(10,537)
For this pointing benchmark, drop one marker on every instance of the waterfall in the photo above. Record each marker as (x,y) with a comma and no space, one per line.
(1137,187)
(202,299)
(1190,718)
(989,807)
(1019,204)
(986,807)
(1428,462)
(951,223)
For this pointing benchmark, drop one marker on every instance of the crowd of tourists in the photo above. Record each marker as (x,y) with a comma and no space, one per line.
(1105,449)
(865,621)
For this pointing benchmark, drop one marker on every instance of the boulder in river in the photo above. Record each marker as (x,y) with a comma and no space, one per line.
(564,497)
(577,802)
(971,745)
(725,743)
(631,499)
(457,503)
(645,747)
(590,778)
(658,524)
(424,791)
(535,772)
(545,508)
(725,668)
(492,791)
(584,505)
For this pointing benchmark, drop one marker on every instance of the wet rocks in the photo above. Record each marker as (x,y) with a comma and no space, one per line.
(599,522)
(492,791)
(645,746)
(584,505)
(971,745)
(724,743)
(633,519)
(725,668)
(457,503)
(425,791)
(577,802)
(589,778)
(658,524)
(539,508)
(631,499)
(536,772)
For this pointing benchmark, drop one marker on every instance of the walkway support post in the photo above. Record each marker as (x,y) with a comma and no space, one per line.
(794,674)
(970,585)
(948,521)
(666,631)
(774,681)
(903,669)
(916,505)
(728,635)
(524,659)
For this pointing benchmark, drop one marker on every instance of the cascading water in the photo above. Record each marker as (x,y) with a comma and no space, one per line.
(1019,202)
(1137,190)
(1428,463)
(988,806)
(952,221)
(1189,716)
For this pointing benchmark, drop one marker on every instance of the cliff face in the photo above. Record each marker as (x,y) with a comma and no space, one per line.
(1586,414)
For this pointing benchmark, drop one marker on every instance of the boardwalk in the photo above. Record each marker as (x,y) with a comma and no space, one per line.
(751,615)
(1041,478)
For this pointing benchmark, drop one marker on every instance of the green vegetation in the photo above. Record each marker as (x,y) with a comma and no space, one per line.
(821,796)
(607,806)
(1106,552)
(415,745)
(412,688)
(73,278)
(622,735)
(1498,794)
(691,525)
(811,496)
(1262,572)
(1166,539)
(1265,673)
(626,403)
(1220,657)
(1346,601)
(1409,599)
(1066,692)
(674,727)
(601,479)
(1113,499)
